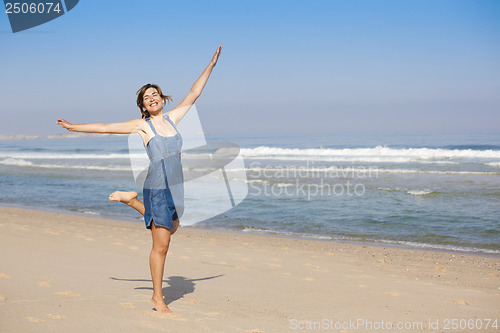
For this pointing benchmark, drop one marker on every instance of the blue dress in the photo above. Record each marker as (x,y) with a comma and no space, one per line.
(164,184)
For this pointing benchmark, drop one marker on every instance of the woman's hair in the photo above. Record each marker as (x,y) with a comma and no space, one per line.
(140,97)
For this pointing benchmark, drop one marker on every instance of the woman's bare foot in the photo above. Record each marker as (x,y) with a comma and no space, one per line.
(125,197)
(159,305)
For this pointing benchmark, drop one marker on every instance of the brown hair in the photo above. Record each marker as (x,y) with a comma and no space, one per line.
(140,97)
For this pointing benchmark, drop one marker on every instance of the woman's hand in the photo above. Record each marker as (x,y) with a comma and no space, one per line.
(64,124)
(177,113)
(216,55)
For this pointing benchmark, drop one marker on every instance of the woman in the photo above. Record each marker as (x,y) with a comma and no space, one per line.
(163,187)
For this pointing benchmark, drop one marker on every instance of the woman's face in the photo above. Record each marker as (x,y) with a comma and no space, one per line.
(152,100)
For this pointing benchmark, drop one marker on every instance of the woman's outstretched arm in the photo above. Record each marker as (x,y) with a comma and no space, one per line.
(125,127)
(180,110)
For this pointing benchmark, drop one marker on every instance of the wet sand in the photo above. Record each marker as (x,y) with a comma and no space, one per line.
(73,273)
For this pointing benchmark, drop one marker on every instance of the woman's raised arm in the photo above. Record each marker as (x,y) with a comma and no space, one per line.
(180,110)
(125,127)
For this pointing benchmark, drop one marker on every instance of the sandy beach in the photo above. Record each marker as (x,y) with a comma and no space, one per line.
(73,273)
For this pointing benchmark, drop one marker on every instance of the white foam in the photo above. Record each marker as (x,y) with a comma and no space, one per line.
(48,156)
(379,153)
(440,247)
(21,162)
(334,171)
(13,161)
(417,193)
(368,241)
(494,164)
(18,137)
(90,212)
(284,184)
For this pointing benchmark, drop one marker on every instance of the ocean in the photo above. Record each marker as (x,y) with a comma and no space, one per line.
(427,190)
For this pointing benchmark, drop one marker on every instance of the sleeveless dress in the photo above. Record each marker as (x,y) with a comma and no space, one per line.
(164,184)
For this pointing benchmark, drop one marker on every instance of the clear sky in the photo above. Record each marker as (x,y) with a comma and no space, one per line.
(286,66)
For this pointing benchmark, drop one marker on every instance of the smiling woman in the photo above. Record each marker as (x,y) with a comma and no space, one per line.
(164,185)
(144,98)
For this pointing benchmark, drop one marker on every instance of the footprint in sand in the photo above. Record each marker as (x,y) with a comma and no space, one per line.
(51,232)
(56,316)
(170,316)
(5,276)
(440,268)
(192,301)
(133,248)
(67,293)
(309,279)
(241,267)
(184,258)
(272,264)
(118,243)
(22,228)
(128,305)
(35,320)
(44,284)
(393,293)
(212,313)
(3,298)
(460,301)
(255,331)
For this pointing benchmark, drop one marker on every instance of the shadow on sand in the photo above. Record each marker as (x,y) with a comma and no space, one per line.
(178,286)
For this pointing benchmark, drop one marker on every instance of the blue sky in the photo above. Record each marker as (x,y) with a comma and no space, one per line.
(286,67)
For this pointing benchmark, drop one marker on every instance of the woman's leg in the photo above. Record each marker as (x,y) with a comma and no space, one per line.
(161,242)
(130,199)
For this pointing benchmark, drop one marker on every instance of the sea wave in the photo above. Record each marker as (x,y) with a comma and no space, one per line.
(266,172)
(68,156)
(292,171)
(18,162)
(364,240)
(378,153)
(18,137)
(24,163)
